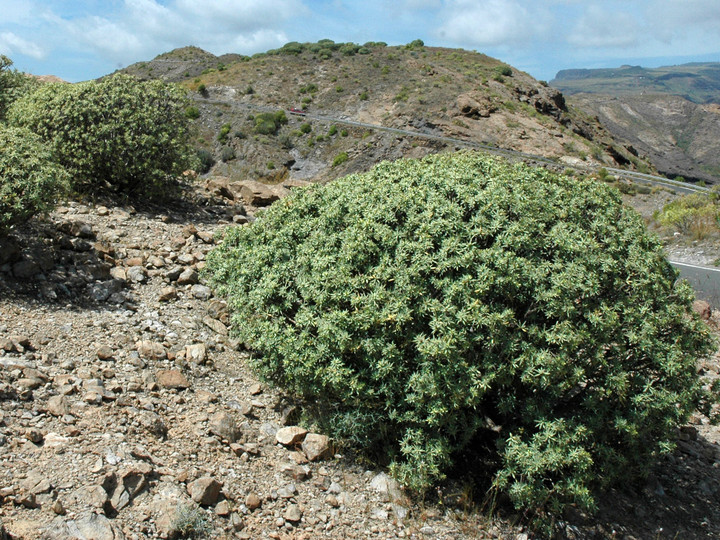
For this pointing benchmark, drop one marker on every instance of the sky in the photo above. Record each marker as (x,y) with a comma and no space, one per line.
(84,39)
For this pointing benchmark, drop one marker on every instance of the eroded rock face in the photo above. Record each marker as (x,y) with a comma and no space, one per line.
(476,105)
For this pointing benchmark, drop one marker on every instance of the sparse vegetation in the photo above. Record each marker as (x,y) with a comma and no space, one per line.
(341,158)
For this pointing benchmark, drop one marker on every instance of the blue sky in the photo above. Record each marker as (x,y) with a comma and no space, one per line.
(83,39)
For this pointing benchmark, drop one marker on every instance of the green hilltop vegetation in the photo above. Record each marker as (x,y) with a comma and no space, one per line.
(698,82)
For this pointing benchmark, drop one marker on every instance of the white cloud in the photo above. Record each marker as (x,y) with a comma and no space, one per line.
(11,44)
(673,19)
(144,28)
(489,22)
(603,27)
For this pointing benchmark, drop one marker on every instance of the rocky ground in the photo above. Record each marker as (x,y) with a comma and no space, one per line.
(127,411)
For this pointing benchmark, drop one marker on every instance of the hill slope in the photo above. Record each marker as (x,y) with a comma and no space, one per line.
(441,92)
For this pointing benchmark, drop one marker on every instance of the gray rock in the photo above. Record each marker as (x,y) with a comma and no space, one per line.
(201,292)
(86,527)
(136,274)
(189,276)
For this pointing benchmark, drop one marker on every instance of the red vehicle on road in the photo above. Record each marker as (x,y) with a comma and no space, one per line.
(295,110)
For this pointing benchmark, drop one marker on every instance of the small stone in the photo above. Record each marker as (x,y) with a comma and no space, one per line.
(189,276)
(205,491)
(151,350)
(34,435)
(224,426)
(58,508)
(316,446)
(222,509)
(58,406)
(252,501)
(256,389)
(291,435)
(201,292)
(215,325)
(136,274)
(293,513)
(196,353)
(172,378)
(332,500)
(104,352)
(167,294)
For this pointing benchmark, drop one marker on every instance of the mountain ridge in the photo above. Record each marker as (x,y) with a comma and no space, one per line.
(449,92)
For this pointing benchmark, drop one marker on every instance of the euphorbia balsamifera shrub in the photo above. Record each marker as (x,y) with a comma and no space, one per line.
(30,182)
(121,133)
(461,304)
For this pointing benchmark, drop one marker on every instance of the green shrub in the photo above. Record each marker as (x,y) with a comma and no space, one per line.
(30,182)
(268,123)
(191,522)
(364,96)
(341,158)
(121,133)
(305,128)
(344,133)
(192,112)
(205,161)
(503,71)
(460,305)
(224,132)
(202,90)
(13,85)
(227,154)
(696,214)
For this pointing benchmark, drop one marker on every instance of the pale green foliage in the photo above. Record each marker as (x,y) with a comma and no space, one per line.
(117,132)
(694,214)
(191,522)
(462,305)
(30,182)
(13,85)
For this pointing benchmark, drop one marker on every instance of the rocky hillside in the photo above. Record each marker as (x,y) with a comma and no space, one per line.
(669,114)
(128,412)
(679,137)
(345,89)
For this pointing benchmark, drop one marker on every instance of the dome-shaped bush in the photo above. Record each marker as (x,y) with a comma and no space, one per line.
(462,304)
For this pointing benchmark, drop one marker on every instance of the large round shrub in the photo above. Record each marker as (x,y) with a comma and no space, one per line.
(122,133)
(30,182)
(462,305)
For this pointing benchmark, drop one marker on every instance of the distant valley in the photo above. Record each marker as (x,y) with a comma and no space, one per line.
(669,114)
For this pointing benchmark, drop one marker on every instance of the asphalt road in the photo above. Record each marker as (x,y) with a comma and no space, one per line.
(704,280)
